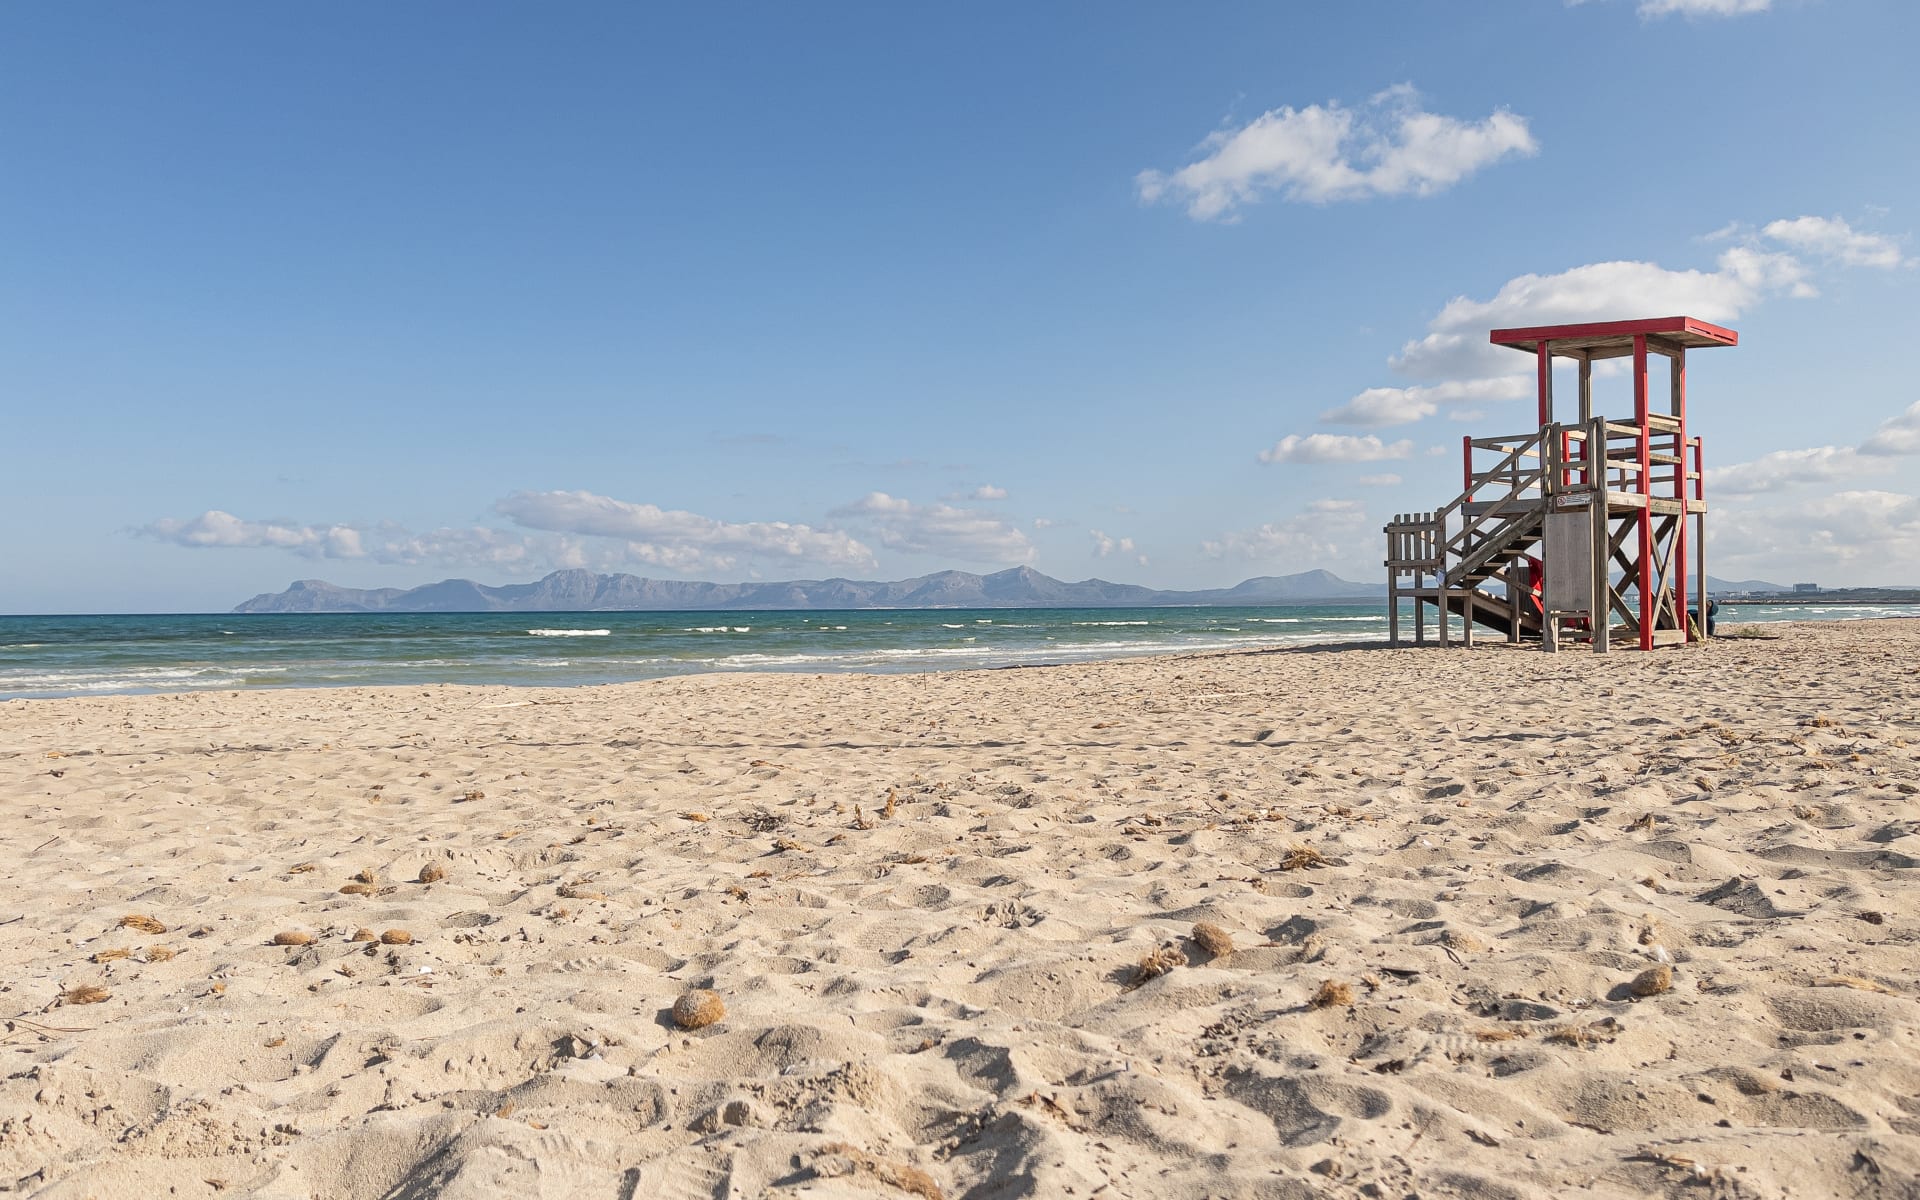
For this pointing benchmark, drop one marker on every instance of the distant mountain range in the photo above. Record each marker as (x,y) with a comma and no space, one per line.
(584,591)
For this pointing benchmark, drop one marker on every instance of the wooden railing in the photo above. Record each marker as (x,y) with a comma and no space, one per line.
(1416,540)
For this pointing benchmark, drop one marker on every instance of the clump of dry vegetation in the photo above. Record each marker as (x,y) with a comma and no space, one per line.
(292,937)
(1603,1030)
(1216,941)
(1652,981)
(141,922)
(1302,858)
(1333,993)
(698,1009)
(838,1159)
(1157,962)
(1462,941)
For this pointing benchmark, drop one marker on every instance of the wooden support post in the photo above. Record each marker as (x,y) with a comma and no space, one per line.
(1640,415)
(1601,616)
(1514,602)
(1700,553)
(1586,386)
(1395,553)
(1677,384)
(1700,567)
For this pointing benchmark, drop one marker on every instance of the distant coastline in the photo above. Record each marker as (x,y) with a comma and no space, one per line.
(1833,596)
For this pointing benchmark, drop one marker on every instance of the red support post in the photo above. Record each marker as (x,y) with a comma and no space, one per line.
(1679,370)
(1645,489)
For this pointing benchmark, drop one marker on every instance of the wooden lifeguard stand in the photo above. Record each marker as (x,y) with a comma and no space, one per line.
(1559,534)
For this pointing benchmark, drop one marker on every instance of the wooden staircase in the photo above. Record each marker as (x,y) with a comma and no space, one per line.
(1465,558)
(1589,532)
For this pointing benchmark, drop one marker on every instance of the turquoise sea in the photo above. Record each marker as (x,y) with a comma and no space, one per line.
(81,655)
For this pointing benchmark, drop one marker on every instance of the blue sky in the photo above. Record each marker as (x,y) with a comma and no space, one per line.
(384,294)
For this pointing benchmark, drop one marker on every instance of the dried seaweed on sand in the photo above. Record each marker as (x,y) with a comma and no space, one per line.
(1157,962)
(1332,994)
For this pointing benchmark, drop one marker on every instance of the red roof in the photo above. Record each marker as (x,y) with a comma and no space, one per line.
(1610,339)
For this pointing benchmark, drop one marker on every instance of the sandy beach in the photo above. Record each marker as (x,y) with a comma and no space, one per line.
(1315,922)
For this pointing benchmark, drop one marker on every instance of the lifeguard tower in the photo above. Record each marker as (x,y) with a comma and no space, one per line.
(1579,532)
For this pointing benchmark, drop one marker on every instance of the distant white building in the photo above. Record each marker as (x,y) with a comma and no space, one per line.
(1803,588)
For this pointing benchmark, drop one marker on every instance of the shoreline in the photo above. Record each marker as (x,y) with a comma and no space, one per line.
(926,900)
(834,668)
(94,657)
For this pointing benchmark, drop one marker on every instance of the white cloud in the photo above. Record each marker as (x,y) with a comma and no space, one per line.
(1783,468)
(223,529)
(1456,345)
(1333,448)
(1044,522)
(985,491)
(1382,406)
(1896,435)
(1307,537)
(383,542)
(1872,536)
(1702,8)
(477,546)
(1831,237)
(1106,547)
(1320,153)
(621,534)
(1458,366)
(666,537)
(1387,480)
(1396,406)
(939,529)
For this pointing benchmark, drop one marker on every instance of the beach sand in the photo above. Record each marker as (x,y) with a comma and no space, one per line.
(925,902)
